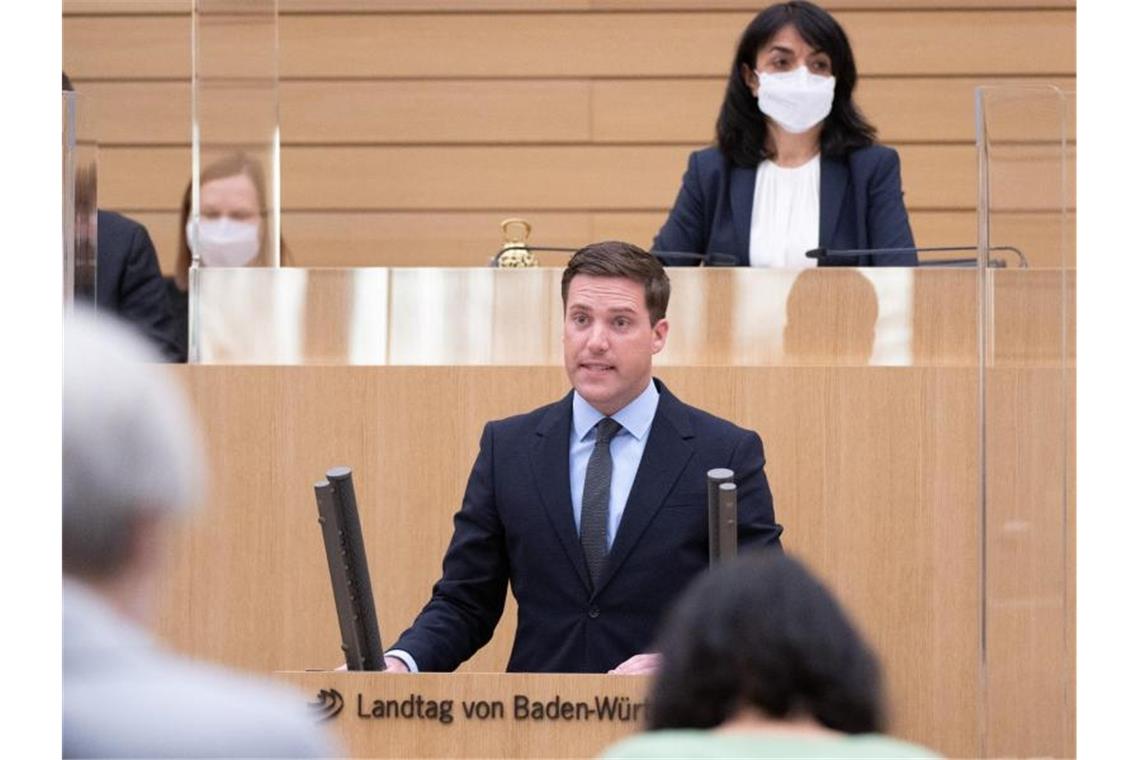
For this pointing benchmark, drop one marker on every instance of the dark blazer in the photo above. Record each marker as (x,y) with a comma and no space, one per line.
(516,525)
(860,206)
(129,283)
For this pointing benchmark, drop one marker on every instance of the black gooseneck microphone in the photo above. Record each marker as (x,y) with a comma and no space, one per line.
(822,255)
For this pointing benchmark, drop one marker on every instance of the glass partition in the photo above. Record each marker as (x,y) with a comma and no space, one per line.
(80,206)
(1025,156)
(235,195)
(455,316)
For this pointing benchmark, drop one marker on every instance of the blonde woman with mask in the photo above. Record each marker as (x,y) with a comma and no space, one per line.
(232,228)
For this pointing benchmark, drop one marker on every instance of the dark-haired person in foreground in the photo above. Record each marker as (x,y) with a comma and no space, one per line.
(593,508)
(759,660)
(795,166)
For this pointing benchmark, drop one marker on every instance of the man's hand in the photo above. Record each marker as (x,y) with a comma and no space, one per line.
(391,665)
(639,665)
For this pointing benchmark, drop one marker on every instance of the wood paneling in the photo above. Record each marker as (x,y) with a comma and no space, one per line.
(613,44)
(831,5)
(492,177)
(177,7)
(258,567)
(922,110)
(1027,580)
(468,737)
(111,7)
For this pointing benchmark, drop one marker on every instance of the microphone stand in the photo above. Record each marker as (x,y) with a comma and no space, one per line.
(823,254)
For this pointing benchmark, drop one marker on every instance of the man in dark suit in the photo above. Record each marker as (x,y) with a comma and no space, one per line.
(129,283)
(592,508)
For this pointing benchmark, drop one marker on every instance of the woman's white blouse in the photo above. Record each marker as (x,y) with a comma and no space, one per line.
(785,216)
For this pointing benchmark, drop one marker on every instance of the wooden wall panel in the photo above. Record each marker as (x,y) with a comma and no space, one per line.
(253,557)
(111,7)
(494,177)
(627,44)
(935,177)
(127,47)
(919,110)
(471,737)
(988,43)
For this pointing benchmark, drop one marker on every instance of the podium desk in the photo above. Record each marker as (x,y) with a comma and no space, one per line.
(474,714)
(918,467)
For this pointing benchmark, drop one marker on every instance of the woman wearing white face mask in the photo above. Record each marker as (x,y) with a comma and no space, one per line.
(231,230)
(795,166)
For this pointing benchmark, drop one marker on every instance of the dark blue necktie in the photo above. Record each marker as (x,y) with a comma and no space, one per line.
(596,499)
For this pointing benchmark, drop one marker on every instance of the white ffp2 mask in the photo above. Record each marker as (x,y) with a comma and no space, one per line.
(224,242)
(796,100)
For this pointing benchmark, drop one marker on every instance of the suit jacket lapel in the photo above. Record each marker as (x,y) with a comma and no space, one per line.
(741,191)
(833,176)
(666,453)
(550,463)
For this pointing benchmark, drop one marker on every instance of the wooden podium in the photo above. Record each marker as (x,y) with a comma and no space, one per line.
(474,714)
(953,558)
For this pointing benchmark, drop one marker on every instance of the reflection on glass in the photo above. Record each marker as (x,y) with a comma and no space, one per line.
(445,315)
(80,206)
(894,288)
(235,198)
(719,317)
(368,316)
(250,316)
(758,314)
(830,318)
(1025,197)
(231,213)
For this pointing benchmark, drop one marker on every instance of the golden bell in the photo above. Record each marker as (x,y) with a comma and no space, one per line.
(515,254)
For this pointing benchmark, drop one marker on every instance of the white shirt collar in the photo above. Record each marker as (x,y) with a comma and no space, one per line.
(635,417)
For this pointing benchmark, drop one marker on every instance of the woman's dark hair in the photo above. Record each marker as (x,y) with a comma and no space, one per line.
(741,130)
(760,632)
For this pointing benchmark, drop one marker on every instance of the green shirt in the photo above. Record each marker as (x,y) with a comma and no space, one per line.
(693,743)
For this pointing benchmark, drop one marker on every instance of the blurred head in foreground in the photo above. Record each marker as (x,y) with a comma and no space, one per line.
(759,637)
(131,463)
(131,460)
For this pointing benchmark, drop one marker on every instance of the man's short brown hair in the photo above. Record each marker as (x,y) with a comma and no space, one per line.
(613,258)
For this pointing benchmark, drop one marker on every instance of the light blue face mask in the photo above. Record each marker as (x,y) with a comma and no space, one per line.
(796,100)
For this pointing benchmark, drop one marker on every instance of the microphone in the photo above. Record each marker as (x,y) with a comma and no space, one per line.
(722,513)
(822,255)
(710,259)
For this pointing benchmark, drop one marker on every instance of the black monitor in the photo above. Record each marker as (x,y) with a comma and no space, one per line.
(348,569)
